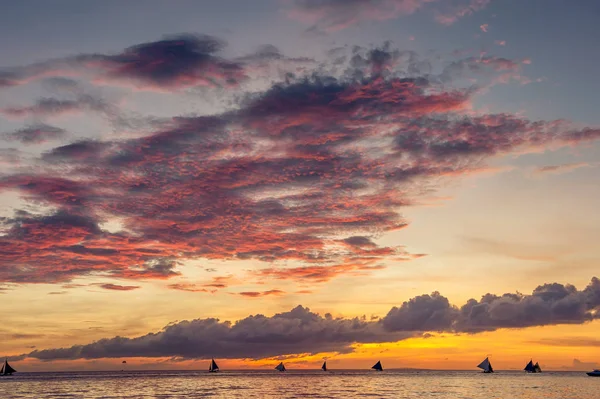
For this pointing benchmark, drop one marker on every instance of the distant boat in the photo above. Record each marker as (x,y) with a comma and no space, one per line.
(324,366)
(6,369)
(533,368)
(213,368)
(486,366)
(280,367)
(378,366)
(595,373)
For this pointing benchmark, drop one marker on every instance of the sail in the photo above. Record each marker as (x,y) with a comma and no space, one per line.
(324,366)
(530,368)
(537,368)
(213,366)
(486,366)
(7,369)
(378,366)
(280,367)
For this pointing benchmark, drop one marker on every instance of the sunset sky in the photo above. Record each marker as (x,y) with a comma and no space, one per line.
(411,181)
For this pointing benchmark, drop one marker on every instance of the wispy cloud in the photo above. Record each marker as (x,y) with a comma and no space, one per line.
(563,168)
(36,134)
(335,15)
(117,287)
(256,294)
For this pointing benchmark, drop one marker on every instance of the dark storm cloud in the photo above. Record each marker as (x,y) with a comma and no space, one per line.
(301,331)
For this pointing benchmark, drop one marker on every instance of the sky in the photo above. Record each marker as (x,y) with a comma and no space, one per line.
(411,181)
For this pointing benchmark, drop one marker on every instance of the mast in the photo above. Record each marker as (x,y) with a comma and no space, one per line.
(378,366)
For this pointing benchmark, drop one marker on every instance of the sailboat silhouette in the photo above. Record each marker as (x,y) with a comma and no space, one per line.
(324,366)
(533,368)
(486,366)
(280,367)
(213,368)
(7,369)
(378,366)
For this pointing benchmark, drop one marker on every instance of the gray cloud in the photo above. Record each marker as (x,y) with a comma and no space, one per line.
(302,331)
(36,134)
(296,331)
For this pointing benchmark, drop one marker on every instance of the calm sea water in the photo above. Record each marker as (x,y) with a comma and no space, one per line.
(302,384)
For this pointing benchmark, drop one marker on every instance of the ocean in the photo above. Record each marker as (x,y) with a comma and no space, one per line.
(301,384)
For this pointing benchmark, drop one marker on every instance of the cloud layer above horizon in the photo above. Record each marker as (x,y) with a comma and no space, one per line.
(301,331)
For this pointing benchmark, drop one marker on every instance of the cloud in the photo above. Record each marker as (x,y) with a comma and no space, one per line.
(562,168)
(484,27)
(258,336)
(216,283)
(302,331)
(422,313)
(460,9)
(117,287)
(310,170)
(256,294)
(548,304)
(189,287)
(335,15)
(36,134)
(500,42)
(172,63)
(45,107)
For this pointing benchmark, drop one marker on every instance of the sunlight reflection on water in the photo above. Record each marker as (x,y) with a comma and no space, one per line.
(301,384)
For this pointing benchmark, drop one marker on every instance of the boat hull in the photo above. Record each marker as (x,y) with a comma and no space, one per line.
(592,374)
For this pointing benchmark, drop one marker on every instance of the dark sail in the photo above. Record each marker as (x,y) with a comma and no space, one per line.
(324,366)
(537,368)
(486,366)
(530,368)
(6,369)
(213,366)
(280,367)
(378,366)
